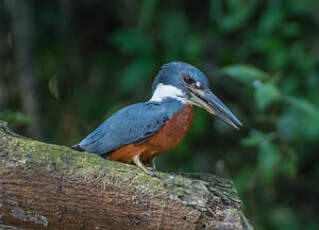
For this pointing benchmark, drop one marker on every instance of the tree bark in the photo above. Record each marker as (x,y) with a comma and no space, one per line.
(45,186)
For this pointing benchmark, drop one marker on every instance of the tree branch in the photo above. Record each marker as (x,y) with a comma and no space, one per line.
(45,186)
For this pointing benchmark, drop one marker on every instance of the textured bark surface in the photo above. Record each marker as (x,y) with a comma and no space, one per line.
(45,186)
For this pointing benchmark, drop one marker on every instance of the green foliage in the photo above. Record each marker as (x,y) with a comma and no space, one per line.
(265,94)
(244,73)
(15,119)
(260,56)
(303,105)
(53,87)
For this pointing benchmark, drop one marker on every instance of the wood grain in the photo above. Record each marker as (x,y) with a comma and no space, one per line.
(44,186)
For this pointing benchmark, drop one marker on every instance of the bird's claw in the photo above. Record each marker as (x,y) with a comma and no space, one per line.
(153,174)
(151,169)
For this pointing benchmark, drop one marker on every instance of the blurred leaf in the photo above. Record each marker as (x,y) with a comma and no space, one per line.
(147,12)
(271,20)
(302,104)
(53,87)
(243,179)
(288,168)
(274,48)
(291,29)
(131,41)
(193,48)
(136,73)
(15,118)
(49,63)
(174,34)
(200,124)
(297,126)
(284,218)
(265,94)
(269,155)
(256,138)
(251,141)
(312,225)
(10,40)
(244,73)
(230,15)
(268,158)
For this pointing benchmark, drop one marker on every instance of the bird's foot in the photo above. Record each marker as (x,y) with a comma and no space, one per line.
(139,164)
(151,171)
(154,174)
(151,165)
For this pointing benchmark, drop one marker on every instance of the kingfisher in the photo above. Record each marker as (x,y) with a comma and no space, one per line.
(137,133)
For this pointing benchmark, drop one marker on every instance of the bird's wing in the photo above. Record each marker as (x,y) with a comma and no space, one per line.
(131,125)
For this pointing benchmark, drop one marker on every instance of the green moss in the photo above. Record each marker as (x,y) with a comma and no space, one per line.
(194,190)
(30,154)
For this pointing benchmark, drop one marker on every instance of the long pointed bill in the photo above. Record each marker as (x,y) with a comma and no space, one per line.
(208,101)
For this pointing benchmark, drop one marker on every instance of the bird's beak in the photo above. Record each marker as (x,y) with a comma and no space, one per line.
(208,101)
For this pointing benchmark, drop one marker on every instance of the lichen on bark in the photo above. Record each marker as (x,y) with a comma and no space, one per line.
(98,193)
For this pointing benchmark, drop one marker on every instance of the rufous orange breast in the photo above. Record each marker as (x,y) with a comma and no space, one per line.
(165,139)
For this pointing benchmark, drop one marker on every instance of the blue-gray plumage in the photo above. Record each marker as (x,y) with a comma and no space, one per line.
(133,124)
(137,133)
(170,74)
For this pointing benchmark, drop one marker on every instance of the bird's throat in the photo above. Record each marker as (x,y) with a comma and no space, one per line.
(167,91)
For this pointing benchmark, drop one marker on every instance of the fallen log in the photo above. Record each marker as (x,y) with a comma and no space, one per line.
(45,186)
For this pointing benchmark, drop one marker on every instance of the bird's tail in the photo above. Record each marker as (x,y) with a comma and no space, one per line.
(77,148)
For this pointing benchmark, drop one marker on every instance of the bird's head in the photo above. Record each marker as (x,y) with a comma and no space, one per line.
(188,84)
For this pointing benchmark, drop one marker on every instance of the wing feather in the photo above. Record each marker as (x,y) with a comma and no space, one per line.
(131,125)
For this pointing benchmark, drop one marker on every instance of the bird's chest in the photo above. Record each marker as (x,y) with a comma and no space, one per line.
(171,133)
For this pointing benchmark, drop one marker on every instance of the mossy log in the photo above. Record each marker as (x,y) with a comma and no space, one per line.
(45,186)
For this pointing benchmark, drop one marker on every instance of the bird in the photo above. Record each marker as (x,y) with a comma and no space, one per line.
(139,132)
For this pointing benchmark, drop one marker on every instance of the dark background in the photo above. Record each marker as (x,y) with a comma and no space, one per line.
(65,66)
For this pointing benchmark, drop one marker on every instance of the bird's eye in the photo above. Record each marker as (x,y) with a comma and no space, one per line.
(188,80)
